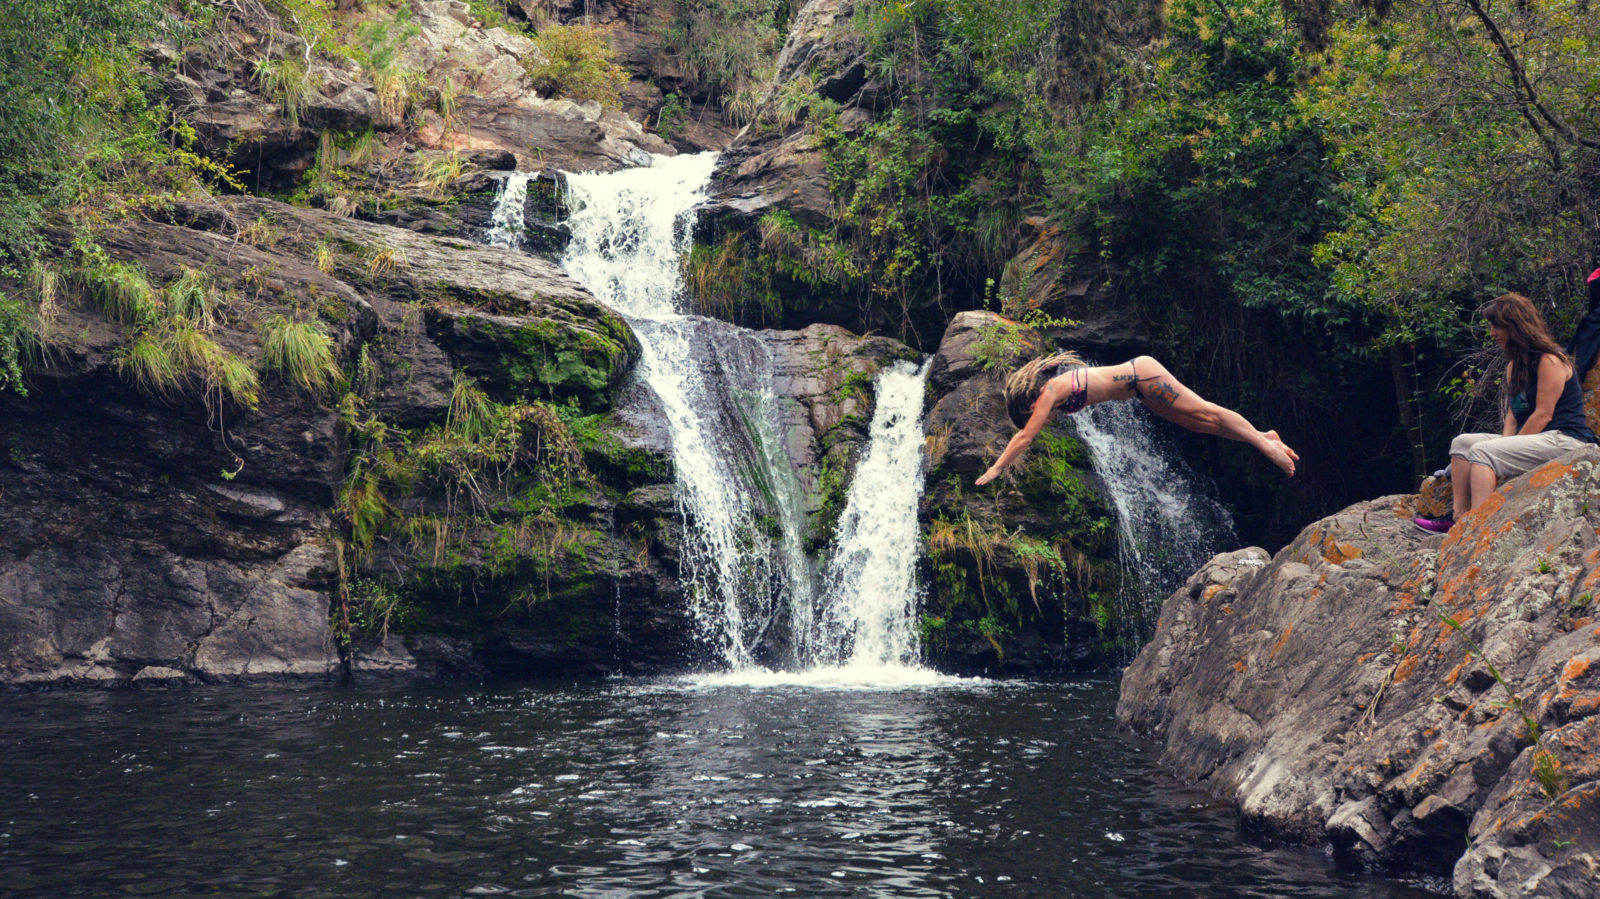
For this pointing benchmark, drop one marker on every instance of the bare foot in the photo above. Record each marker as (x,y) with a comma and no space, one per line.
(1273,436)
(1280,455)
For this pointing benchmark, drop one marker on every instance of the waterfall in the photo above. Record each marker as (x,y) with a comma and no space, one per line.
(505,225)
(1167,525)
(743,561)
(871,581)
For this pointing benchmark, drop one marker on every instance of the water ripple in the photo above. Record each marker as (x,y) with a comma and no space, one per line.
(666,788)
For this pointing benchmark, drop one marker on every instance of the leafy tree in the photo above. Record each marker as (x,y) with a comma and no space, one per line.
(65,76)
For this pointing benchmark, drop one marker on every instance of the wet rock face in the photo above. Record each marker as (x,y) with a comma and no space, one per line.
(142,534)
(1017,568)
(824,377)
(1329,693)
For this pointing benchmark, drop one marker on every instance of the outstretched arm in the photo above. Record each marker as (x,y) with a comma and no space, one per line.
(1042,407)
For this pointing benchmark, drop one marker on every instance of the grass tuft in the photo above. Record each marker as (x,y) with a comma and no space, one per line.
(152,364)
(122,290)
(301,352)
(190,297)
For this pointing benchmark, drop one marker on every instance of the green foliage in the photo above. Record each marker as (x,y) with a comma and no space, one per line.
(672,117)
(757,285)
(376,48)
(578,64)
(288,82)
(84,129)
(377,607)
(18,335)
(1002,343)
(1454,182)
(174,353)
(301,352)
(122,291)
(724,50)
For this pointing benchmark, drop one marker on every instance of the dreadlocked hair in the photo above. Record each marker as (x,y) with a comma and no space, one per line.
(1024,385)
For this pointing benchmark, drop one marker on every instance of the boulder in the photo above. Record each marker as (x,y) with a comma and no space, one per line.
(1380,689)
(823,376)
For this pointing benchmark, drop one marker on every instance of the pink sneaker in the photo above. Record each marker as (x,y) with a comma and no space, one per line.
(1434,525)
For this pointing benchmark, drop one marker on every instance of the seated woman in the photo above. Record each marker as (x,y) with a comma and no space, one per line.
(1543,420)
(1034,391)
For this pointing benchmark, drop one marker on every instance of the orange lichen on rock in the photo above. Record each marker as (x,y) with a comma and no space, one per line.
(1585,705)
(1212,591)
(1364,658)
(1239,666)
(1406,668)
(1548,474)
(1575,668)
(1284,638)
(1455,673)
(1337,553)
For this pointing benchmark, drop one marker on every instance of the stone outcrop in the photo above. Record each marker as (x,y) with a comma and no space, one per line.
(470,92)
(823,375)
(177,531)
(1378,689)
(1022,573)
(1048,282)
(771,167)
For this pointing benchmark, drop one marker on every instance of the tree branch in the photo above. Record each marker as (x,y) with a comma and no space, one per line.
(1528,97)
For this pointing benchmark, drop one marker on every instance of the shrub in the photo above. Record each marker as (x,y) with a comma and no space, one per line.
(17,337)
(578,63)
(301,352)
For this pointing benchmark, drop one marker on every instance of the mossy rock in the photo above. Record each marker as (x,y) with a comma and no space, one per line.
(537,358)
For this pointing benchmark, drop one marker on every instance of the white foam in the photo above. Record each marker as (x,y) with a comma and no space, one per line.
(848,677)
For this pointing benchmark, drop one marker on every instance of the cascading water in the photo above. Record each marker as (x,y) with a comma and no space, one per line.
(1167,525)
(505,226)
(743,561)
(871,582)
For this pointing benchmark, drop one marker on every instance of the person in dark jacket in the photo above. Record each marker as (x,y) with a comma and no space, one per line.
(1544,416)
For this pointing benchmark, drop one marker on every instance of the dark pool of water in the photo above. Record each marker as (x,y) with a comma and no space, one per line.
(621,789)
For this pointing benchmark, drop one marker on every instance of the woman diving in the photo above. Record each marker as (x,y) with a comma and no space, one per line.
(1034,392)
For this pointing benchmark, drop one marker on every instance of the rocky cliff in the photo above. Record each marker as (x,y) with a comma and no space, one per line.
(1413,701)
(174,532)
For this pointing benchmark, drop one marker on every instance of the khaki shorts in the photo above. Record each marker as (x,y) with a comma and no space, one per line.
(1514,455)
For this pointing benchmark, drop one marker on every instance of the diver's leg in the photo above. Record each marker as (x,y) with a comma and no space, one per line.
(1167,397)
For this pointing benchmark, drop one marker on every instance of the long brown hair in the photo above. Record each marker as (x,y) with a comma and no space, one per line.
(1528,339)
(1024,385)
